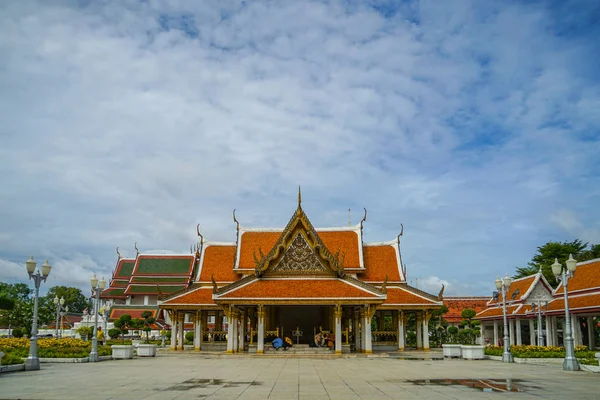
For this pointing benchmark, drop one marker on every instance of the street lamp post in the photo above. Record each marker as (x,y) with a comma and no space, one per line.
(504,284)
(97,286)
(564,274)
(537,308)
(58,303)
(33,362)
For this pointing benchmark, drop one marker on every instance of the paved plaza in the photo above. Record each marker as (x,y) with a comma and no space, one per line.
(243,377)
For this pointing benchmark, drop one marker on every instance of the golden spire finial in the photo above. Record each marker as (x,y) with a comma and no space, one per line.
(299,197)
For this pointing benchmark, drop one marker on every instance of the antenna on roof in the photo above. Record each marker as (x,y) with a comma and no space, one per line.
(137,252)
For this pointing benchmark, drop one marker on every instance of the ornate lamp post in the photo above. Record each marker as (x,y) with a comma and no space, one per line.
(62,314)
(58,303)
(33,362)
(504,284)
(570,363)
(104,311)
(537,308)
(97,286)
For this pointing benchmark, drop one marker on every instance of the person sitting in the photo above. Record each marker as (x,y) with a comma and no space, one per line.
(330,340)
(277,343)
(318,339)
(287,342)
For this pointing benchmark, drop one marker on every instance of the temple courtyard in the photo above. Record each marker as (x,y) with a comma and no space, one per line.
(264,377)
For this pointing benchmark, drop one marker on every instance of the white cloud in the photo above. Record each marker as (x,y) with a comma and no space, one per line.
(126,122)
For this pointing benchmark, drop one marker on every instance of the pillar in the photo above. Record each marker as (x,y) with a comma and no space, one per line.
(243,326)
(554,323)
(419,331)
(197,330)
(518,332)
(531,332)
(230,331)
(496,342)
(203,327)
(338,329)
(218,321)
(260,349)
(511,331)
(590,328)
(426,317)
(368,315)
(173,330)
(181,334)
(401,337)
(549,334)
(576,330)
(357,332)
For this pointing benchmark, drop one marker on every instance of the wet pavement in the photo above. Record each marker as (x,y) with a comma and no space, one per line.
(243,377)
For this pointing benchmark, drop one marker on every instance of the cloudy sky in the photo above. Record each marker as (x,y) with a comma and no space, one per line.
(474,124)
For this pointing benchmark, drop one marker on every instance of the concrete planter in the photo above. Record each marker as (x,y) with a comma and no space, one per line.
(452,350)
(136,342)
(472,352)
(146,350)
(122,351)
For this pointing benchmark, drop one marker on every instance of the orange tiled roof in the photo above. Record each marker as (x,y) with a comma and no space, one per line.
(200,296)
(250,242)
(347,241)
(456,305)
(379,262)
(297,289)
(398,295)
(494,312)
(218,261)
(575,302)
(523,284)
(586,276)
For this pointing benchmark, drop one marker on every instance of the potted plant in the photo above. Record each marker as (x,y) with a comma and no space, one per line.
(123,323)
(453,348)
(147,349)
(468,336)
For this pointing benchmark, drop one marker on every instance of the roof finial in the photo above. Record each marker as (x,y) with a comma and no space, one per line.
(199,234)
(299,197)
(118,255)
(348,217)
(236,221)
(137,252)
(364,218)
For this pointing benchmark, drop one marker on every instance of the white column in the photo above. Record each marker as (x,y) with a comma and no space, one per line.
(496,332)
(531,332)
(519,337)
(367,330)
(549,334)
(419,331)
(260,349)
(357,331)
(173,330)
(242,335)
(230,332)
(576,330)
(198,331)
(591,338)
(338,330)
(511,331)
(401,338)
(426,317)
(555,331)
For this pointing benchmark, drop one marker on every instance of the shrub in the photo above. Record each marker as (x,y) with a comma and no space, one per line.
(523,351)
(12,359)
(114,332)
(17,332)
(189,336)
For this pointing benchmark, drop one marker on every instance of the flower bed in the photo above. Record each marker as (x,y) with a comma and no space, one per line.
(18,348)
(581,352)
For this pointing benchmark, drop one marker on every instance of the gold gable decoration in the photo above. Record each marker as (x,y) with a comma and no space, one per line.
(299,251)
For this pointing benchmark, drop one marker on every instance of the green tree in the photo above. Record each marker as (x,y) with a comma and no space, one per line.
(148,321)
(73,296)
(544,258)
(6,303)
(123,323)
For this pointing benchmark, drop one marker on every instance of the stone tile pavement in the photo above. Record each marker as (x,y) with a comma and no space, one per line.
(244,377)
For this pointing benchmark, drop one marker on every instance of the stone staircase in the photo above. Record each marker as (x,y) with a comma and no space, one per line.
(300,349)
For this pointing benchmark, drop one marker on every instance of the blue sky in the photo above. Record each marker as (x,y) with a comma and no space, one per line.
(476,124)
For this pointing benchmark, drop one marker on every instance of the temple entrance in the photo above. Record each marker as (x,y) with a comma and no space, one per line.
(306,319)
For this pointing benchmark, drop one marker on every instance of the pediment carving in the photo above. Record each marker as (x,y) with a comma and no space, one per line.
(300,258)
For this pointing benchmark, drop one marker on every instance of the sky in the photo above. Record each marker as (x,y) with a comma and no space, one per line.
(474,124)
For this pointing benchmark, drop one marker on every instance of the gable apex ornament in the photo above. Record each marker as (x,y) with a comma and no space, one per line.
(299,198)
(215,287)
(440,295)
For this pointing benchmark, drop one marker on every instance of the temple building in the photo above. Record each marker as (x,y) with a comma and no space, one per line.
(294,281)
(584,307)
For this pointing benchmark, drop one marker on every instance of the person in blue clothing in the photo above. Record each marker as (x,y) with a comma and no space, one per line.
(277,343)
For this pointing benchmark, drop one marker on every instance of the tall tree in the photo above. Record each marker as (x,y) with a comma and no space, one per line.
(21,315)
(546,254)
(74,298)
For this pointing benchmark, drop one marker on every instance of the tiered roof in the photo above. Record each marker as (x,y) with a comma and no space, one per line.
(583,289)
